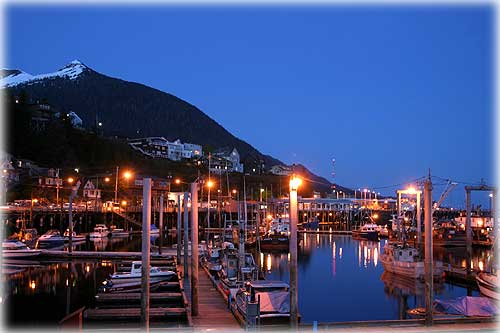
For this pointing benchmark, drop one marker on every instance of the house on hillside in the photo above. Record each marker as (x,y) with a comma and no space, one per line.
(225,160)
(159,147)
(280,170)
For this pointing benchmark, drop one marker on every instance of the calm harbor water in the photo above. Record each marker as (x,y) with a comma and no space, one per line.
(340,279)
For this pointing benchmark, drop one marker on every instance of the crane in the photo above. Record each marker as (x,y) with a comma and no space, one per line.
(449,186)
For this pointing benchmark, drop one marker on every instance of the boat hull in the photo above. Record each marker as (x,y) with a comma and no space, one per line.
(20,253)
(487,288)
(369,235)
(414,270)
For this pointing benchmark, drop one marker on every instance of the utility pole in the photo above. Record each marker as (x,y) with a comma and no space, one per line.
(428,251)
(208,203)
(146,226)
(194,249)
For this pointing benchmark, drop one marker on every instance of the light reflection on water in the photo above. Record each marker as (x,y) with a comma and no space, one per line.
(341,279)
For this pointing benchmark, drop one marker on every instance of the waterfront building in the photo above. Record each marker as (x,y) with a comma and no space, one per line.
(159,147)
(91,192)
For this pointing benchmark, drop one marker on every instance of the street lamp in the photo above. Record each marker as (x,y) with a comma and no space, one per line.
(70,180)
(295,182)
(210,184)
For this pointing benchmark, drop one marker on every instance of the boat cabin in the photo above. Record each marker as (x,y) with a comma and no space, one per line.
(402,253)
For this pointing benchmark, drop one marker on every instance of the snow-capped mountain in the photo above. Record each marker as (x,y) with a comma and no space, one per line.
(15,77)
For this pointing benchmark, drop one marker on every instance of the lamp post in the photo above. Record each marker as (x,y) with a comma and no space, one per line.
(209,185)
(294,185)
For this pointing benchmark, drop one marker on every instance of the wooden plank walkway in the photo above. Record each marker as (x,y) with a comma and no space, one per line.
(212,309)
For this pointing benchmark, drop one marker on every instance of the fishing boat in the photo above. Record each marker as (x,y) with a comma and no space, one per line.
(447,233)
(100,231)
(75,238)
(135,274)
(51,238)
(488,285)
(367,231)
(228,274)
(17,249)
(212,260)
(383,231)
(275,241)
(274,298)
(406,260)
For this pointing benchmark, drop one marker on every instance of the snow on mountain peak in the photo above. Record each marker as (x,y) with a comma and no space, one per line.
(71,71)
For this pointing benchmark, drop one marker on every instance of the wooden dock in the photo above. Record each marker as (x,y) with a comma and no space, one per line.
(57,254)
(213,311)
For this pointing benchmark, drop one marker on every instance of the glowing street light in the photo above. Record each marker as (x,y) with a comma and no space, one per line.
(70,180)
(177,181)
(107,179)
(210,184)
(295,182)
(127,175)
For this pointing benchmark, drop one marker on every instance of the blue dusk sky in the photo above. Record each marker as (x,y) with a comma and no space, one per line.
(387,92)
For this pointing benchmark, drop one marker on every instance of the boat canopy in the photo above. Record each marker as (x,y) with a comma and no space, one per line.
(275,302)
(468,306)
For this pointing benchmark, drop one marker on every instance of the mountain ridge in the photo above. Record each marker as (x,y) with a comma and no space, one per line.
(130,109)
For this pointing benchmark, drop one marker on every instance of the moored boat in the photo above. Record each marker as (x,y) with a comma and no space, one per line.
(274,299)
(135,274)
(406,260)
(488,285)
(17,249)
(100,231)
(110,286)
(367,231)
(75,238)
(118,232)
(50,239)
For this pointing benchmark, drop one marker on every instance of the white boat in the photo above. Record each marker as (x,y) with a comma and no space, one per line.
(51,238)
(406,260)
(17,249)
(75,238)
(367,231)
(119,232)
(135,275)
(488,285)
(100,231)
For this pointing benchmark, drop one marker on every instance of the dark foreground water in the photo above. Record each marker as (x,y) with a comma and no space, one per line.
(340,279)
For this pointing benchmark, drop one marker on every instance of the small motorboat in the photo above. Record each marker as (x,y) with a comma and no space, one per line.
(100,231)
(118,232)
(135,274)
(488,285)
(75,238)
(17,249)
(109,286)
(50,239)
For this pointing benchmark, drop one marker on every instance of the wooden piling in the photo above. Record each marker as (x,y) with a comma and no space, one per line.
(146,226)
(186,234)
(179,225)
(161,223)
(194,249)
